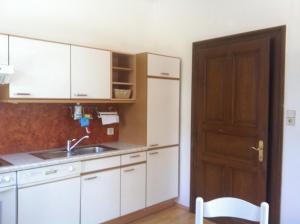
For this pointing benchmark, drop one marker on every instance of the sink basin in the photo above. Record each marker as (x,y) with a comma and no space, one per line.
(75,152)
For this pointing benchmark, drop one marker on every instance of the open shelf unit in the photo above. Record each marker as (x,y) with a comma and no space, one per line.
(124,74)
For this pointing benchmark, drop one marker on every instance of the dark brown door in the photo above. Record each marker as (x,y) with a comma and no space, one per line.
(230,120)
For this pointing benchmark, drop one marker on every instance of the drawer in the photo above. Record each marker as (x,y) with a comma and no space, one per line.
(163,66)
(101,164)
(133,158)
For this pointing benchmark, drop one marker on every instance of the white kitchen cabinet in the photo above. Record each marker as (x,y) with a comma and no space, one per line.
(54,202)
(162,175)
(162,112)
(100,196)
(42,69)
(90,73)
(133,188)
(163,66)
(3,49)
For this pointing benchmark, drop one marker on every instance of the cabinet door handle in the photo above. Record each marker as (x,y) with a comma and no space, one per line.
(165,73)
(153,153)
(22,94)
(81,94)
(153,145)
(135,156)
(49,172)
(129,170)
(91,178)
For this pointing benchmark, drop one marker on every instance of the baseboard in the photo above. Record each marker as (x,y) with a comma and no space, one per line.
(143,213)
(183,207)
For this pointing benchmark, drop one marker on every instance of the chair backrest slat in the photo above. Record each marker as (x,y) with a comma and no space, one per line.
(231,207)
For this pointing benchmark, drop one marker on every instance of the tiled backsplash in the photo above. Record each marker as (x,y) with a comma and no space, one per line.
(29,127)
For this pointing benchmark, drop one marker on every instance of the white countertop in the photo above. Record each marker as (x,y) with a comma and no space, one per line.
(23,161)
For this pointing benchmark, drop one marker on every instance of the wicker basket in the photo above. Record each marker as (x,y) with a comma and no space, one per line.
(122,93)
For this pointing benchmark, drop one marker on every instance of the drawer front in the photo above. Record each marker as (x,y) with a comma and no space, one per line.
(101,164)
(133,158)
(163,66)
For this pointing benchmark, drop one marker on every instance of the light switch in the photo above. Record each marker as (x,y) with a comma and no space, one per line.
(291,117)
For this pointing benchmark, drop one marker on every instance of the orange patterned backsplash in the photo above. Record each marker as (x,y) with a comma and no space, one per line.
(31,127)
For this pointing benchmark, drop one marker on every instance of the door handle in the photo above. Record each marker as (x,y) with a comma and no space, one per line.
(260,150)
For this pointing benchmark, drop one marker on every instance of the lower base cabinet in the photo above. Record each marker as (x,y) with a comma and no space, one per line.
(162,175)
(133,188)
(100,197)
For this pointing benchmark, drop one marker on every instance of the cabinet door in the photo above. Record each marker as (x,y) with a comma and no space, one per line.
(90,73)
(162,175)
(100,197)
(3,49)
(42,69)
(163,66)
(163,112)
(133,188)
(55,202)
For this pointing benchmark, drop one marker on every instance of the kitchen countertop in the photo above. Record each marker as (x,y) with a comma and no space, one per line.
(24,161)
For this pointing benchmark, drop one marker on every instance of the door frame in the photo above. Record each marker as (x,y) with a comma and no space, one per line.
(277,36)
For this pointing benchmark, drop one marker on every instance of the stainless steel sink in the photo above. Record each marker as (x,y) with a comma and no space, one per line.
(60,153)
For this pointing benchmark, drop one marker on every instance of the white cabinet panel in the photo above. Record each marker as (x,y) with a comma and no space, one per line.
(100,197)
(133,158)
(133,188)
(3,49)
(37,204)
(90,73)
(162,175)
(163,66)
(42,69)
(163,112)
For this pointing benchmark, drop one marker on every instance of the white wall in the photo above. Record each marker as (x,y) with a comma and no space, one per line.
(170,27)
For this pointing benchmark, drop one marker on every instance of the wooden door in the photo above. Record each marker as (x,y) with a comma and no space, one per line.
(230,115)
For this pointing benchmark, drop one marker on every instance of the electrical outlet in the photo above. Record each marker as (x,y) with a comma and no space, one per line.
(110,131)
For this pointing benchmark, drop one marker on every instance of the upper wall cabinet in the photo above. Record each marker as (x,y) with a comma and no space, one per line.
(163,66)
(42,69)
(90,73)
(3,49)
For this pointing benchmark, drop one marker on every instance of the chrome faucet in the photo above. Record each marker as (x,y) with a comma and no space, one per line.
(70,147)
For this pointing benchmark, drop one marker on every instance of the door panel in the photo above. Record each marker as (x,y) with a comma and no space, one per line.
(229,116)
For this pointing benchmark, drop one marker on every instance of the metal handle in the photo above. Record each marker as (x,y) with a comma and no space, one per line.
(165,73)
(129,170)
(22,94)
(153,153)
(7,189)
(135,156)
(49,172)
(91,178)
(81,94)
(153,145)
(260,150)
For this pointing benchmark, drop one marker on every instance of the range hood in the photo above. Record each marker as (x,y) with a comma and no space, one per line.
(5,72)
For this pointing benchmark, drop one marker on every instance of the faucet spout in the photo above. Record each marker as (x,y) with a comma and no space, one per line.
(70,147)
